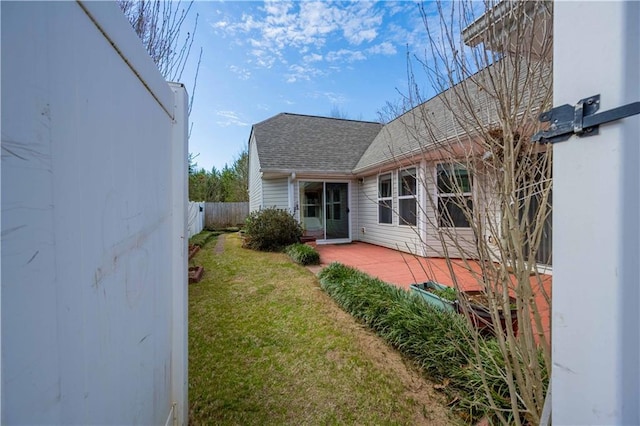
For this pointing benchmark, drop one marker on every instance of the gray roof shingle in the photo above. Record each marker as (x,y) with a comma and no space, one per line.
(432,123)
(302,142)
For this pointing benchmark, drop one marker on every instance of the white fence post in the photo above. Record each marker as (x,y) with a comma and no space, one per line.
(179,167)
(596,237)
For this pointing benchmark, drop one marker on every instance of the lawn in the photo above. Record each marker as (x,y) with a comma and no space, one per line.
(268,346)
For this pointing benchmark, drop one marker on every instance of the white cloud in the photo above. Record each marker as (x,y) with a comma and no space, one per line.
(220,25)
(308,39)
(334,98)
(229,118)
(299,72)
(262,58)
(384,48)
(279,27)
(345,55)
(314,57)
(243,73)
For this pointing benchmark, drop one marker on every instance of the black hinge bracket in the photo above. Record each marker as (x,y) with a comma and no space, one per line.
(580,120)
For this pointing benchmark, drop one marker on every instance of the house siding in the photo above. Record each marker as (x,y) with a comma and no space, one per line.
(275,193)
(425,239)
(354,210)
(255,181)
(399,237)
(463,244)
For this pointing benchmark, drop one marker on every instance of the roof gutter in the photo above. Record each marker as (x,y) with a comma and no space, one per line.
(496,18)
(297,173)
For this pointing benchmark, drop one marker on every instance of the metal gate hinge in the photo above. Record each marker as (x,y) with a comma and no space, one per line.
(580,120)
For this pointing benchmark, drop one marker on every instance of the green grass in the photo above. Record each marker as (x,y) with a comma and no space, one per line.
(267,347)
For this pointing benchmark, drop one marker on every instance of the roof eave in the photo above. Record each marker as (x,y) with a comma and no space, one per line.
(272,173)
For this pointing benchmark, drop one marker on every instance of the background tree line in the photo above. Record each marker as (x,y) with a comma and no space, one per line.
(227,185)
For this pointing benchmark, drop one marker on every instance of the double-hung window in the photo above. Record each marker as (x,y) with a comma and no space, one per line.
(385,199)
(455,204)
(407,197)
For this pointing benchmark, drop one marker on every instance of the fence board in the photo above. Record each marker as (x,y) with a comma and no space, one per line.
(222,215)
(195,218)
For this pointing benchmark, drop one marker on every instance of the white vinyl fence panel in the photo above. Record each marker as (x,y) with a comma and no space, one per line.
(195,218)
(93,199)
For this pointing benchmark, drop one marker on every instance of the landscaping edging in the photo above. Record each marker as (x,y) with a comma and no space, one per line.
(195,274)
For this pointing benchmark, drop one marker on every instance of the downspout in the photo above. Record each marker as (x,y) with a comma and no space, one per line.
(292,206)
(360,185)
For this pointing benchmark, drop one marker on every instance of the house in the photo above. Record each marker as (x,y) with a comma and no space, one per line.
(348,180)
(305,165)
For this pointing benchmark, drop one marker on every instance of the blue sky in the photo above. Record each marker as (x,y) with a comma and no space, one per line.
(263,58)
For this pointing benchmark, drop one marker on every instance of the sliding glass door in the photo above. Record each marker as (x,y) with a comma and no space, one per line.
(324,210)
(337,211)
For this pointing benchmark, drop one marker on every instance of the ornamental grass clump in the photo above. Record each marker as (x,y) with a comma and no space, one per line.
(203,238)
(303,254)
(271,230)
(438,341)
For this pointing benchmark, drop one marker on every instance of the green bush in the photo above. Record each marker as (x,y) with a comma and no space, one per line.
(271,230)
(303,254)
(203,238)
(438,341)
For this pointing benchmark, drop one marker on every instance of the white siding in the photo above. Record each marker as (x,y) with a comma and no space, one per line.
(354,210)
(426,239)
(462,245)
(276,193)
(93,203)
(255,180)
(399,237)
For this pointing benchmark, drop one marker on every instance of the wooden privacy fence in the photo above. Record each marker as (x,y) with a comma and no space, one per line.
(222,215)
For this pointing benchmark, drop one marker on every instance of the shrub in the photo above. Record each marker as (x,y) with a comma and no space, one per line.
(303,254)
(447,293)
(203,238)
(438,341)
(271,230)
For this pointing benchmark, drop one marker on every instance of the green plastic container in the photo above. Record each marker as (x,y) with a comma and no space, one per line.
(423,290)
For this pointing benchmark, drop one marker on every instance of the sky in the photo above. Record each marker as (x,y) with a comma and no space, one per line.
(263,58)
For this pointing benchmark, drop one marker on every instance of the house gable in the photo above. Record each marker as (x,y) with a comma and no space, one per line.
(289,143)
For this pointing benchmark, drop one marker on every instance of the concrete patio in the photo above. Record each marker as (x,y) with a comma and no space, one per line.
(403,269)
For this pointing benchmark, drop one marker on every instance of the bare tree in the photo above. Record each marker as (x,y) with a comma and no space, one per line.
(159,26)
(487,187)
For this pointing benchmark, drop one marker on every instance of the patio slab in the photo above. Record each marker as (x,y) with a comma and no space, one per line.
(403,269)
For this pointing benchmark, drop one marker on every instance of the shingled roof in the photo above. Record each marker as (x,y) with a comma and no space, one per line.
(310,143)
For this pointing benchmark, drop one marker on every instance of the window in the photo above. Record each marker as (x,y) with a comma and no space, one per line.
(334,204)
(455,203)
(407,192)
(385,200)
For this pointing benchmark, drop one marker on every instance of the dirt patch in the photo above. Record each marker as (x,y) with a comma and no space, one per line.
(219,248)
(430,405)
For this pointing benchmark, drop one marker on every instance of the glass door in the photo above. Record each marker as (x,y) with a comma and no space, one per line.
(312,209)
(337,210)
(324,210)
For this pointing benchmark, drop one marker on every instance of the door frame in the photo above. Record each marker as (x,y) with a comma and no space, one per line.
(324,208)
